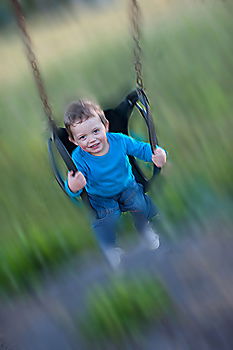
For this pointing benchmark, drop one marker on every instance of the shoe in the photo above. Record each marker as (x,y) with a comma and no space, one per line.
(152,238)
(114,256)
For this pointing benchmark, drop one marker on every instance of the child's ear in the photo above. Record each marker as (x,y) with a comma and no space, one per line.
(107,126)
(72,140)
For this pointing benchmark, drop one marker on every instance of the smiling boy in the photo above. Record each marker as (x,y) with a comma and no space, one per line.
(106,173)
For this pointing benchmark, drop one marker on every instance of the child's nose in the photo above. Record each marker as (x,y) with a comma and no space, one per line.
(92,139)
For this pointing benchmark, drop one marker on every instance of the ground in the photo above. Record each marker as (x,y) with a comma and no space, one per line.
(195,270)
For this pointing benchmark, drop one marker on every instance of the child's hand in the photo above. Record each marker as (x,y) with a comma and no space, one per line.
(76,181)
(159,157)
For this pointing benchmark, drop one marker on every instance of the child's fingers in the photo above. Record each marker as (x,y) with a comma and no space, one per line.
(78,174)
(76,180)
(158,150)
(159,159)
(71,173)
(160,153)
(73,176)
(80,177)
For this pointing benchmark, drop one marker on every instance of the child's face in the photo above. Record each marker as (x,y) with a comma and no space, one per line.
(90,135)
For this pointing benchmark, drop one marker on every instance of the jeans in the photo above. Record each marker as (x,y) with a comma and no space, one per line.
(108,210)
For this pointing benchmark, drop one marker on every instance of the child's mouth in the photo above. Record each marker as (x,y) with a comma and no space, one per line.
(95,146)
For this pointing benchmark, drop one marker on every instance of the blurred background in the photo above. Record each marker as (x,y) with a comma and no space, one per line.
(84,48)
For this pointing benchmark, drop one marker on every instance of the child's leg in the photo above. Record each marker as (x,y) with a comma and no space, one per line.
(105,229)
(142,209)
(135,201)
(104,226)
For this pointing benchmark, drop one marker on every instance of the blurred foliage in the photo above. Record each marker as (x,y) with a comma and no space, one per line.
(123,307)
(32,7)
(26,258)
(188,75)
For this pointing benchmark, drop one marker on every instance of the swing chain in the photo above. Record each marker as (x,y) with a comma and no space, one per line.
(136,35)
(136,19)
(33,62)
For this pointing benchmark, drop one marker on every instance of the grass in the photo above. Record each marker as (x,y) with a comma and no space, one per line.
(122,308)
(187,69)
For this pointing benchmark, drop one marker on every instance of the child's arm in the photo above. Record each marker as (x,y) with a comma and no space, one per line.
(76,182)
(142,150)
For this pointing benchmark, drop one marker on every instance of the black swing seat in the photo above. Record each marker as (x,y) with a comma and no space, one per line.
(118,122)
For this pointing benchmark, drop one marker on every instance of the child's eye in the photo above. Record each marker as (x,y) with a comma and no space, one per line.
(82,138)
(95,131)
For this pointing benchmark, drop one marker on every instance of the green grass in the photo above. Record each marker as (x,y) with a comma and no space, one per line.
(123,308)
(187,69)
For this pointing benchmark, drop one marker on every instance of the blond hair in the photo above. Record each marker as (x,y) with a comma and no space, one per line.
(81,110)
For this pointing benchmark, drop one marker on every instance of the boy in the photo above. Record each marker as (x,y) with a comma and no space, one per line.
(105,171)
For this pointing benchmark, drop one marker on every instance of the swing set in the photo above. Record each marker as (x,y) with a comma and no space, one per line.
(118,117)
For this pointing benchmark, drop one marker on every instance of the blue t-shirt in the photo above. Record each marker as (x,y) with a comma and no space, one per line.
(111,173)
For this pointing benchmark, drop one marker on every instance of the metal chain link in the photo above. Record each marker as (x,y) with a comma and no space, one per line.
(136,19)
(33,61)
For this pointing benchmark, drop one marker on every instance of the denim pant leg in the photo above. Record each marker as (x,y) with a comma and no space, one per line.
(105,222)
(135,201)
